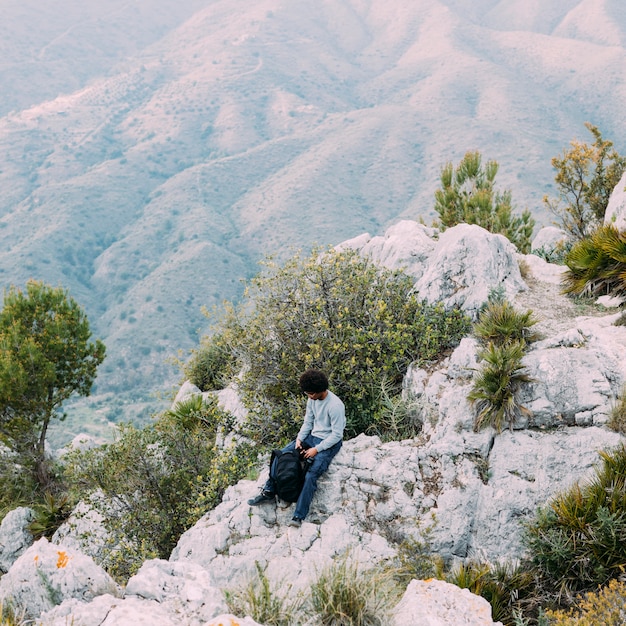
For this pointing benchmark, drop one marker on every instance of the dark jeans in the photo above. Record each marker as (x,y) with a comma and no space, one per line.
(320,464)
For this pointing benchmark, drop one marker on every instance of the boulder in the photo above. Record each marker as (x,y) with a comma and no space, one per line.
(186,589)
(542,270)
(548,239)
(467,263)
(46,574)
(107,610)
(15,537)
(84,531)
(437,603)
(407,246)
(616,208)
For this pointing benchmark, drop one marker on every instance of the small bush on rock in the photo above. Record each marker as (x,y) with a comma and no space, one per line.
(265,603)
(346,595)
(605,607)
(467,195)
(617,416)
(500,324)
(510,589)
(495,391)
(578,541)
(211,365)
(9,616)
(585,178)
(597,264)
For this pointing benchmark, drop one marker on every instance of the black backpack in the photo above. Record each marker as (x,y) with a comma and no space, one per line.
(287,470)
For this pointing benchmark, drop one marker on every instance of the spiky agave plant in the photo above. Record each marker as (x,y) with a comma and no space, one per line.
(597,265)
(497,383)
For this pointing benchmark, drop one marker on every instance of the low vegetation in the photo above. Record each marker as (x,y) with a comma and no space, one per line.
(343,594)
(597,264)
(577,541)
(158,480)
(606,607)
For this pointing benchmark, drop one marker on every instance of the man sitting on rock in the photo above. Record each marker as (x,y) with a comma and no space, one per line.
(320,438)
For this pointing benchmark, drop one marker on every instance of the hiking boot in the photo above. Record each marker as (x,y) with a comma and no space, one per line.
(264,496)
(296,522)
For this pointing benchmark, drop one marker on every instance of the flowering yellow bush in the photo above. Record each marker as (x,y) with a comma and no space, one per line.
(605,607)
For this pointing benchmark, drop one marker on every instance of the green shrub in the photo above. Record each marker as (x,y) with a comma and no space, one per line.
(338,312)
(49,515)
(605,607)
(278,606)
(9,616)
(399,417)
(158,480)
(467,195)
(499,323)
(617,416)
(578,541)
(585,178)
(597,264)
(415,559)
(556,255)
(346,595)
(510,589)
(211,365)
(496,386)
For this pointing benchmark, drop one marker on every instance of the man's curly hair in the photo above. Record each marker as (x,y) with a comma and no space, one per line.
(313,381)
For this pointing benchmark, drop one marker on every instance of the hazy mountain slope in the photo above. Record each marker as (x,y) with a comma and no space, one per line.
(49,48)
(190,149)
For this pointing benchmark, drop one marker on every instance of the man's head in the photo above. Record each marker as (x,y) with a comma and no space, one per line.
(314,383)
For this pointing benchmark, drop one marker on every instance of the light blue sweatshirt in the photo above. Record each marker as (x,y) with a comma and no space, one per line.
(325,419)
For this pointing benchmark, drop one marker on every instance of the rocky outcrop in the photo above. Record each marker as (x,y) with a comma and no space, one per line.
(466,265)
(436,603)
(466,493)
(46,574)
(615,213)
(548,239)
(407,245)
(15,536)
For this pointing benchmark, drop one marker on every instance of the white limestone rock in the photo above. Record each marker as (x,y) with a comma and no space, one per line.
(185,588)
(15,538)
(161,592)
(548,239)
(356,243)
(437,603)
(46,574)
(615,213)
(407,246)
(542,270)
(467,263)
(107,610)
(525,469)
(84,531)
(576,375)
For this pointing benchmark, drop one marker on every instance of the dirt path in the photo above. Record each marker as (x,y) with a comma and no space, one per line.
(554,310)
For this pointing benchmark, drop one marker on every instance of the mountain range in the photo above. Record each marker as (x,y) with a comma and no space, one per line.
(152,152)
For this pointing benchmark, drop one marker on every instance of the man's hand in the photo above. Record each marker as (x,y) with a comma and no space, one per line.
(298,444)
(310,453)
